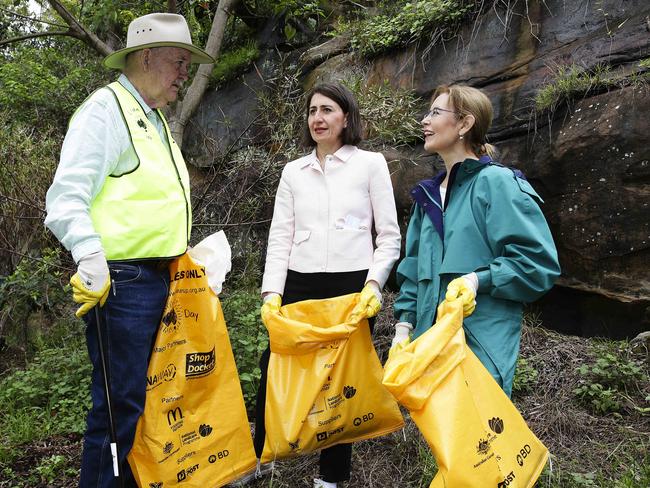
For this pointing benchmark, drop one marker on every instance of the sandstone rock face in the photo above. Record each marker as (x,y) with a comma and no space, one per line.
(589,159)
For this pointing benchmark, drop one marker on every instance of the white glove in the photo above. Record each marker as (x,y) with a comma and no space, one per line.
(268,296)
(402,331)
(93,271)
(91,282)
(214,254)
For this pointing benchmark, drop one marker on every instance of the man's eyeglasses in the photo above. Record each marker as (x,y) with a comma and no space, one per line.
(435,111)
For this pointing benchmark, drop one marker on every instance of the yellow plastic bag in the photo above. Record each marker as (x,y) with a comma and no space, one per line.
(324,379)
(194,430)
(477,436)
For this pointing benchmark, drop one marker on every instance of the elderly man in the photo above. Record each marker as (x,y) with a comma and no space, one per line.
(120,202)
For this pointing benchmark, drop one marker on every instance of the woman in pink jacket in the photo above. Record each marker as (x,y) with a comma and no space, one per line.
(321,242)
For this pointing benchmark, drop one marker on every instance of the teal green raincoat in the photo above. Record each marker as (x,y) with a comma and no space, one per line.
(491,225)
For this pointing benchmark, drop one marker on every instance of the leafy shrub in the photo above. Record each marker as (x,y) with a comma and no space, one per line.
(381,33)
(231,64)
(605,384)
(35,287)
(248,339)
(50,396)
(525,377)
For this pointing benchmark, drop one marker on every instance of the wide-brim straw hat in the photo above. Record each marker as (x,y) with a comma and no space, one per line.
(157,30)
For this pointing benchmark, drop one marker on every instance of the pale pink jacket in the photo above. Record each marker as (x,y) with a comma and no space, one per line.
(322,220)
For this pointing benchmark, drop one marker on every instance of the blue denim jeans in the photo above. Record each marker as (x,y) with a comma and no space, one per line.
(131,316)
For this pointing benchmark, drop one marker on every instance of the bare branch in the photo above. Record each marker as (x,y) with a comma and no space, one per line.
(81,32)
(32,19)
(196,90)
(68,33)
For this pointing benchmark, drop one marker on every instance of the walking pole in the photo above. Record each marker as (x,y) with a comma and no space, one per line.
(119,480)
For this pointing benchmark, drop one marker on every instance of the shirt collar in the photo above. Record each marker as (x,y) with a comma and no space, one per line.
(343,154)
(124,81)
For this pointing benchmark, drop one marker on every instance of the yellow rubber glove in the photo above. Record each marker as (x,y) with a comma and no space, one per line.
(91,282)
(465,289)
(272,304)
(369,300)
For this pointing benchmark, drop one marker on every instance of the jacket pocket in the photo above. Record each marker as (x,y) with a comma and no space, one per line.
(301,236)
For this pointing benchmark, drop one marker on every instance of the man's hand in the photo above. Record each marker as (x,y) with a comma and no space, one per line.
(91,282)
(464,288)
(272,304)
(370,299)
(402,331)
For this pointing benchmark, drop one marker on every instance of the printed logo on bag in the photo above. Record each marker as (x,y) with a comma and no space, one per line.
(364,418)
(496,424)
(198,364)
(183,474)
(523,454)
(189,437)
(349,391)
(507,480)
(142,124)
(218,456)
(168,447)
(188,274)
(169,345)
(175,418)
(334,401)
(483,446)
(321,436)
(205,430)
(157,379)
(156,484)
(168,451)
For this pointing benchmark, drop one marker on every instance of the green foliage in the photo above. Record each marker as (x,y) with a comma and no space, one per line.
(307,14)
(644,63)
(49,397)
(378,34)
(248,338)
(231,64)
(390,114)
(605,384)
(42,86)
(53,468)
(525,377)
(35,289)
(572,80)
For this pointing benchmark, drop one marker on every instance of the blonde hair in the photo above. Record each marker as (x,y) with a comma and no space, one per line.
(467,100)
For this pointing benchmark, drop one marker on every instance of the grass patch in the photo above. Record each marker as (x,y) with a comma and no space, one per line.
(572,81)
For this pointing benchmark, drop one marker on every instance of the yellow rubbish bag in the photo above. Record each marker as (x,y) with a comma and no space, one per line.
(477,436)
(194,431)
(324,379)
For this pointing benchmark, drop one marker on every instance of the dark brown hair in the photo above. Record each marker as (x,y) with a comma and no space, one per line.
(467,100)
(345,99)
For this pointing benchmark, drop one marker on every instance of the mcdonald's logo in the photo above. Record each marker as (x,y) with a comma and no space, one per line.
(174,415)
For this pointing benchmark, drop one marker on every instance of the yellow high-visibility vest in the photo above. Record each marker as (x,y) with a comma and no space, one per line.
(146,213)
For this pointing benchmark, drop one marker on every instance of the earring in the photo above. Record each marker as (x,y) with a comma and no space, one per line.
(460,136)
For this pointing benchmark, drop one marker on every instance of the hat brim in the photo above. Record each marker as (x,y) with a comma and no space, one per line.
(117,59)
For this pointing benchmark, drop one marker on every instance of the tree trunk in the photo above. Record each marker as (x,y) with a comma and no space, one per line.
(186,108)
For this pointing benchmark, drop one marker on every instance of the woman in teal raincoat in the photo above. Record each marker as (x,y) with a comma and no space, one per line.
(476,231)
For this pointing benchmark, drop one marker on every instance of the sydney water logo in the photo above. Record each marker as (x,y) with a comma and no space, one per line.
(199,364)
(157,379)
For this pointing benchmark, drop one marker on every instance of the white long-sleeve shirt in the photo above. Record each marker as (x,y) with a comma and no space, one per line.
(323,218)
(96,145)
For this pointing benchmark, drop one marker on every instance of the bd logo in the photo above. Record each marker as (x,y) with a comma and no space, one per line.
(364,418)
(523,454)
(220,455)
(199,364)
